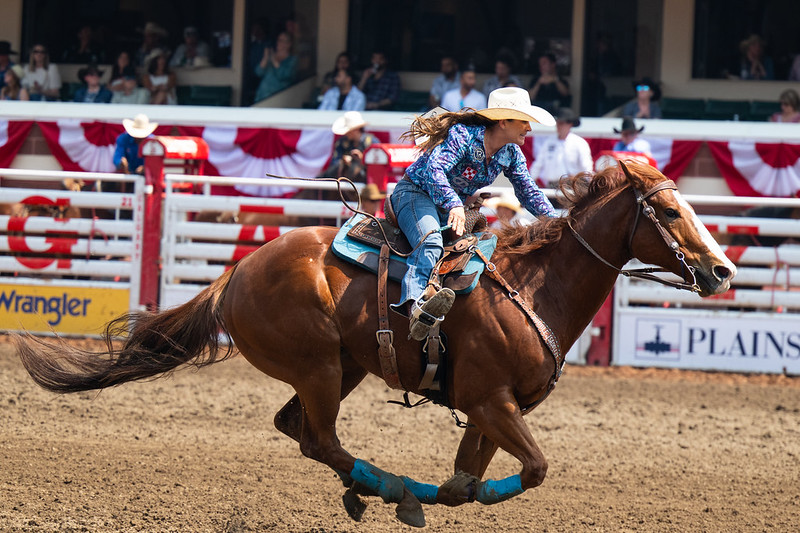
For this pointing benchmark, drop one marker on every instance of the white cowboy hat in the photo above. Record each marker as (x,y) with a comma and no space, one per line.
(514,103)
(348,122)
(140,127)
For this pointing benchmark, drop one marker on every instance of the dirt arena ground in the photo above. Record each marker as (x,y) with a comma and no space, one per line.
(629,450)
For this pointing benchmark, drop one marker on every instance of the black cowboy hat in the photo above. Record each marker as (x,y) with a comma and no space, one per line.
(5,48)
(566,114)
(650,83)
(89,69)
(628,125)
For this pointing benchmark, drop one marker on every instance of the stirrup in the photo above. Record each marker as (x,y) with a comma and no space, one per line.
(427,313)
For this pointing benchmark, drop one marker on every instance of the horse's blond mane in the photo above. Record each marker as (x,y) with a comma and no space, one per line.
(578,193)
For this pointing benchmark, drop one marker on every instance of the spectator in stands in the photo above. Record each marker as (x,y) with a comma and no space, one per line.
(566,154)
(646,105)
(277,67)
(12,87)
(790,107)
(5,61)
(503,67)
(160,80)
(549,90)
(348,151)
(754,65)
(344,95)
(465,96)
(343,61)
(259,41)
(83,51)
(192,52)
(380,85)
(372,200)
(42,79)
(447,80)
(630,141)
(126,153)
(131,93)
(154,38)
(121,64)
(92,91)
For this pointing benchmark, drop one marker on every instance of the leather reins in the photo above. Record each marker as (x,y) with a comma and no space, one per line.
(647,273)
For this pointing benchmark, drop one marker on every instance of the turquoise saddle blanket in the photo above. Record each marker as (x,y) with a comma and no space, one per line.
(366,256)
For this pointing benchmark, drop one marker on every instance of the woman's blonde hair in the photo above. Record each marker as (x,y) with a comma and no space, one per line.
(437,127)
(32,62)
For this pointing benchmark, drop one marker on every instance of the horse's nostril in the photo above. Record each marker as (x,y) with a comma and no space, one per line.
(721,272)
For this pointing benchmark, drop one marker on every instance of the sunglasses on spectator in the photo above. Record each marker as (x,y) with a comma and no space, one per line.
(642,87)
(39,51)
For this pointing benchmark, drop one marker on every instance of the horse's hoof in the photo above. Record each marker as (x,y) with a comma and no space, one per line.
(458,490)
(409,510)
(353,505)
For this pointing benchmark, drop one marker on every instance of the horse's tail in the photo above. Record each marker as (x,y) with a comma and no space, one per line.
(154,344)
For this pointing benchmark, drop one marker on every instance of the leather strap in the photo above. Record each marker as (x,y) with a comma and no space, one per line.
(433,346)
(386,352)
(544,330)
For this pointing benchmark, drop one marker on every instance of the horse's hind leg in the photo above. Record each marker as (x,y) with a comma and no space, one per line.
(475,452)
(319,397)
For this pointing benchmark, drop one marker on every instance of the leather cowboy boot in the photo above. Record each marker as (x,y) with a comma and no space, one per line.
(425,313)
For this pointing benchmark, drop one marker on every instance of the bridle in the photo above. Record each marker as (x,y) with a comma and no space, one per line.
(647,273)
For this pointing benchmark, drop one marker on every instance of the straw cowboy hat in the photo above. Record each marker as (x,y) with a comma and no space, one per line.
(348,122)
(18,71)
(140,127)
(514,103)
(370,192)
(628,125)
(508,201)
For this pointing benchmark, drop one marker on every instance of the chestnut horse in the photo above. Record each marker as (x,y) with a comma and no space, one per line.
(302,315)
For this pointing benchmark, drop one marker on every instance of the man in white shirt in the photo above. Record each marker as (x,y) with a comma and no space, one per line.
(465,95)
(565,154)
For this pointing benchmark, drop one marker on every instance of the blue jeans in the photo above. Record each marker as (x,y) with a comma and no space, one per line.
(417,215)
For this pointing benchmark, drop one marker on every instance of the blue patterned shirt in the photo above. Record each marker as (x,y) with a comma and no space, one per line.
(455,169)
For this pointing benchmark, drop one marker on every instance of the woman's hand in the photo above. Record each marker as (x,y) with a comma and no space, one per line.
(457,220)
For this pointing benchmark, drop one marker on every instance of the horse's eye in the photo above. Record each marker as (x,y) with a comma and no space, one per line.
(671,213)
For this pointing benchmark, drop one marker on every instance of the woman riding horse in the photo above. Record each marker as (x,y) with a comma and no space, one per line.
(463,152)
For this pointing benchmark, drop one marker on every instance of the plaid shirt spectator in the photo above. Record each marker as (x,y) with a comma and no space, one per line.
(387,87)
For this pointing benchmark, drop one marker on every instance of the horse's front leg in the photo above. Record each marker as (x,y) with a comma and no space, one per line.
(500,421)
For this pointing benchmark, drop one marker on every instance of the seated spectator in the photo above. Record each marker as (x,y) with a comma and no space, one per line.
(92,91)
(328,80)
(448,79)
(121,64)
(153,38)
(754,65)
(160,80)
(12,87)
(630,141)
(348,150)
(466,96)
(83,51)
(344,95)
(646,104)
(380,85)
(193,52)
(5,61)
(790,107)
(131,93)
(42,79)
(503,76)
(277,67)
(549,90)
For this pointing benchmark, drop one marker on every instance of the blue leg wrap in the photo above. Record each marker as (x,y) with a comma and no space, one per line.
(388,486)
(491,491)
(425,492)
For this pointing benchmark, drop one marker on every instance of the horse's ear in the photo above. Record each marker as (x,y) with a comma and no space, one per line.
(625,170)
